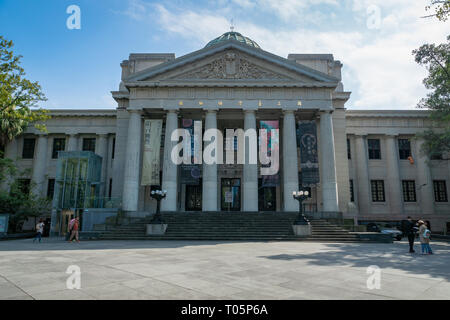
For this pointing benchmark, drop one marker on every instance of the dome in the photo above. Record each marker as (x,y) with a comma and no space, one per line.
(232,35)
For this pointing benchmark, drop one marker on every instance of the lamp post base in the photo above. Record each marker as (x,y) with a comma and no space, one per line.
(302,230)
(154,229)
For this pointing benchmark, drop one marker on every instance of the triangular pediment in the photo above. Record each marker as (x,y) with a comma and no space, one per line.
(229,62)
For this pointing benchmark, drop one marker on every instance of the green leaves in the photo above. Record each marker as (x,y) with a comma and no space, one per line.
(17,96)
(436,58)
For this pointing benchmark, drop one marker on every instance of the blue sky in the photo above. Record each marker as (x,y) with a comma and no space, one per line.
(79,68)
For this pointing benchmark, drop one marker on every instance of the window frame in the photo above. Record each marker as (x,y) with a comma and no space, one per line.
(379,191)
(23,148)
(374,154)
(89,139)
(400,150)
(55,152)
(409,191)
(437,190)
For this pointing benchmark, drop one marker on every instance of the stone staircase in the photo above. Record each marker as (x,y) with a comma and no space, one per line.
(226,226)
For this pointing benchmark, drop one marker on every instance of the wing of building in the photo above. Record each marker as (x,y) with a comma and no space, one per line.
(364,164)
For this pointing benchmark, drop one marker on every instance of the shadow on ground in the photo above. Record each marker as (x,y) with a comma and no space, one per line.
(385,257)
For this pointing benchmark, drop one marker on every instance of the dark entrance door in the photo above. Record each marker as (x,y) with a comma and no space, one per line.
(267,197)
(231,194)
(193,197)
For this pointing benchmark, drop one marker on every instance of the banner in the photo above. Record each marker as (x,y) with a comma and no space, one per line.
(190,173)
(309,164)
(152,150)
(272,146)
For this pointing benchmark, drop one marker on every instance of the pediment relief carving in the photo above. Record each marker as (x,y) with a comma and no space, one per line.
(230,65)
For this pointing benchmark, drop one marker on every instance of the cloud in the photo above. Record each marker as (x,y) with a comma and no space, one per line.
(378,65)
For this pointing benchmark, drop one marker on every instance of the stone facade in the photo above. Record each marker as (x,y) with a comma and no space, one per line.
(233,85)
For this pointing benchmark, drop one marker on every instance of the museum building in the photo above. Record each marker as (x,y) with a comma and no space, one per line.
(365,164)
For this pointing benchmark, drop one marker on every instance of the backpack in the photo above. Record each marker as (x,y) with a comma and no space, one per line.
(426,233)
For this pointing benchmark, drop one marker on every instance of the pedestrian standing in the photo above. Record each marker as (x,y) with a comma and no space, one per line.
(411,230)
(424,237)
(75,227)
(39,230)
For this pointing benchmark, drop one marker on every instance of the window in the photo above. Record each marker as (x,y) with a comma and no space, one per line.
(113,148)
(404,149)
(28,148)
(59,144)
(440,191)
(349,153)
(409,190)
(89,144)
(50,188)
(377,187)
(24,185)
(374,148)
(352,195)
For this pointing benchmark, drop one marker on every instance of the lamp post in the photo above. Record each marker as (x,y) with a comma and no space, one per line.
(300,196)
(158,195)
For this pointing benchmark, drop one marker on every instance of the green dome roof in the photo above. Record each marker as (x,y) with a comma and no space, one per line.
(232,35)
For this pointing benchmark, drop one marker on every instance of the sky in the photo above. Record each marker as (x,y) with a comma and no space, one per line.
(78,68)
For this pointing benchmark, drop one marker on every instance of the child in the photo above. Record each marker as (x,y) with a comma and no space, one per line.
(426,236)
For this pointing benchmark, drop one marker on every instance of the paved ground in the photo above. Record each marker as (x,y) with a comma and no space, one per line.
(221,270)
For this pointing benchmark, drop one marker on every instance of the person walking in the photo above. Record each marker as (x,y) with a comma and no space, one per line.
(75,227)
(427,238)
(410,231)
(39,230)
(424,235)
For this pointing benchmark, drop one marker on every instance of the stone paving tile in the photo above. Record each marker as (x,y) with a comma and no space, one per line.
(214,270)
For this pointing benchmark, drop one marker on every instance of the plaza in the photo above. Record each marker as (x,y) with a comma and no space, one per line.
(221,270)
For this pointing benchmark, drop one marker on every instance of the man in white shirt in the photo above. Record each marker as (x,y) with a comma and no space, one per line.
(39,230)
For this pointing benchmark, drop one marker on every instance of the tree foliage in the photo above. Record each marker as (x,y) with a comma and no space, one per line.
(18,96)
(441,9)
(14,200)
(436,58)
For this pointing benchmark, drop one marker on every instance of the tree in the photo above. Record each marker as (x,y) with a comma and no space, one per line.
(17,201)
(441,9)
(436,58)
(17,97)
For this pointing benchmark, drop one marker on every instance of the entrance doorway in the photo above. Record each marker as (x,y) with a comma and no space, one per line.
(267,197)
(193,197)
(231,194)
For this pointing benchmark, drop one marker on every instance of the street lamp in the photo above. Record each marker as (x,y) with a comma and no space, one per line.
(158,195)
(300,196)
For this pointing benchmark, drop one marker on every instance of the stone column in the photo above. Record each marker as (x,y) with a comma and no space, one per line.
(394,186)
(130,193)
(209,188)
(170,172)
(424,181)
(362,171)
(102,151)
(290,161)
(328,163)
(40,165)
(72,144)
(250,171)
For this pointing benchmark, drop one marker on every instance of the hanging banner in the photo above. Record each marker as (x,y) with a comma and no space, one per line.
(272,146)
(190,173)
(309,164)
(152,150)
